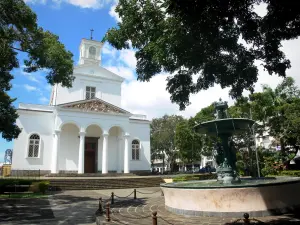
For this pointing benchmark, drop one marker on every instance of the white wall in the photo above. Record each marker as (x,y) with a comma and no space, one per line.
(141,131)
(68,151)
(41,124)
(70,123)
(107,90)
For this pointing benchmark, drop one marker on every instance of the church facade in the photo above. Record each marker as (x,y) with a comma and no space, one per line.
(83,129)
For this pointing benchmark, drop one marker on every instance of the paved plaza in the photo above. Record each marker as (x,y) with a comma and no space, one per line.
(79,207)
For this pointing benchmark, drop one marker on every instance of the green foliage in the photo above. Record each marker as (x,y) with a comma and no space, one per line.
(19,32)
(191,144)
(189,37)
(43,186)
(194,177)
(163,138)
(292,173)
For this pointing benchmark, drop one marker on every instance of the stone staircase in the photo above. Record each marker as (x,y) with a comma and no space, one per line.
(98,184)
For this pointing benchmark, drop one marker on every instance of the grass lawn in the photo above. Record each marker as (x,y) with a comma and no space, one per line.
(25,195)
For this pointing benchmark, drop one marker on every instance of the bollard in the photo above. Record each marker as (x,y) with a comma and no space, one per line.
(154,218)
(107,212)
(100,206)
(112,198)
(246,219)
(134,193)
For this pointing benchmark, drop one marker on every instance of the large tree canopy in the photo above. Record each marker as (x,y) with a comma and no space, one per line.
(192,37)
(19,32)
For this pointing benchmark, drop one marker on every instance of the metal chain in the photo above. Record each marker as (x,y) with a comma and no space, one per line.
(165,220)
(148,193)
(123,197)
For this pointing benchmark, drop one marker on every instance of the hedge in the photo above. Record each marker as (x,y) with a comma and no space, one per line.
(195,177)
(292,173)
(35,185)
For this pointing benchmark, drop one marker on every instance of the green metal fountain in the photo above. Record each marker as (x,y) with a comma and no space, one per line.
(224,128)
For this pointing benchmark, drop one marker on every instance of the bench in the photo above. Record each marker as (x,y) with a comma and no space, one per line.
(18,192)
(27,193)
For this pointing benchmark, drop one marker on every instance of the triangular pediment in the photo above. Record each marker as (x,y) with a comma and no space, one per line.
(98,71)
(94,105)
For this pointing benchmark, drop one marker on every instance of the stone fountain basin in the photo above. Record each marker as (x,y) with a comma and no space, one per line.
(258,197)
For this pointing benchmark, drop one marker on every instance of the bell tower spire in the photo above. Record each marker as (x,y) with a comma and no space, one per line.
(90,51)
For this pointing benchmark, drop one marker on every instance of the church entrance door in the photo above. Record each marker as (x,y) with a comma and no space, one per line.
(90,155)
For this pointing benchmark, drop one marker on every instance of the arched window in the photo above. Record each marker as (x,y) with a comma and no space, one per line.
(92,52)
(34,146)
(135,150)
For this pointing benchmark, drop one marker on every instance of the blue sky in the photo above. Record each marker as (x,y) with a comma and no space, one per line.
(72,20)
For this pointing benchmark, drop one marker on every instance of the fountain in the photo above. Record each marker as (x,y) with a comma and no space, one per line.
(230,195)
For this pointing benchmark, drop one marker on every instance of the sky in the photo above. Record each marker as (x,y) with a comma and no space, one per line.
(72,20)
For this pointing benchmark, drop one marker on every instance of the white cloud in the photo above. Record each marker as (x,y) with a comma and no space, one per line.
(30,88)
(114,14)
(94,4)
(43,100)
(128,57)
(32,77)
(122,71)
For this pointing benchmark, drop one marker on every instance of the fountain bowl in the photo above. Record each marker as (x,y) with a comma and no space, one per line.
(259,197)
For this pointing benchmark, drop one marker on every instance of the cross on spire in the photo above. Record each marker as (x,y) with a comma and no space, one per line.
(92,30)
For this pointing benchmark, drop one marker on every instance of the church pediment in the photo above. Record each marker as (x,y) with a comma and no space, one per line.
(97,71)
(94,105)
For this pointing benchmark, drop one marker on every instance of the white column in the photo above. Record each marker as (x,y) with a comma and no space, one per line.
(81,152)
(104,153)
(126,153)
(119,161)
(54,163)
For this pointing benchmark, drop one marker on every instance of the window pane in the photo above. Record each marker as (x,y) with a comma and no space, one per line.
(36,151)
(30,151)
(133,154)
(88,88)
(87,95)
(93,89)
(92,95)
(137,154)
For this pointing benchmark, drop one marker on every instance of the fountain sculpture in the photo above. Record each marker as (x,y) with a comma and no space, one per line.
(230,195)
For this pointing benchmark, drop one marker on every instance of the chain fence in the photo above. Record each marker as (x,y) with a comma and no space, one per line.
(108,210)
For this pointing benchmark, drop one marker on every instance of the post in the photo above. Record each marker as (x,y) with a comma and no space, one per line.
(81,152)
(246,219)
(134,193)
(154,218)
(112,198)
(107,212)
(100,206)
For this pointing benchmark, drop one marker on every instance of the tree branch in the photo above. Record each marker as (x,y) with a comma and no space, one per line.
(19,49)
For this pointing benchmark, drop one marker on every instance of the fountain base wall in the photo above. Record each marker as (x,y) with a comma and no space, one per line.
(258,201)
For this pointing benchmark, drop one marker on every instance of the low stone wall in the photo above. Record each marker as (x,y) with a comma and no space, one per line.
(258,201)
(29,173)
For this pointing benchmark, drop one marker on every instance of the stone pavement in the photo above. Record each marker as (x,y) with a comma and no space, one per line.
(78,207)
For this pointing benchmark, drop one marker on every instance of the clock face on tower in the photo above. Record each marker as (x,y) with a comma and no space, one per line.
(92,52)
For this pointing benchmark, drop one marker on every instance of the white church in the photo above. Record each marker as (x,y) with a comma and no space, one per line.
(83,129)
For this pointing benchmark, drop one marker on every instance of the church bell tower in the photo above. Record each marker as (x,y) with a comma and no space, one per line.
(90,52)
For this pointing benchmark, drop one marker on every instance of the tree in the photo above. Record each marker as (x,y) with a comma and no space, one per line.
(190,37)
(279,112)
(19,32)
(191,144)
(163,138)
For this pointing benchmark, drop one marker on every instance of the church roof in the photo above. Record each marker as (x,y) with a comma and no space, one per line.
(94,105)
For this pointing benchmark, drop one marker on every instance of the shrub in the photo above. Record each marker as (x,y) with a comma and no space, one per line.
(34,187)
(292,173)
(43,186)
